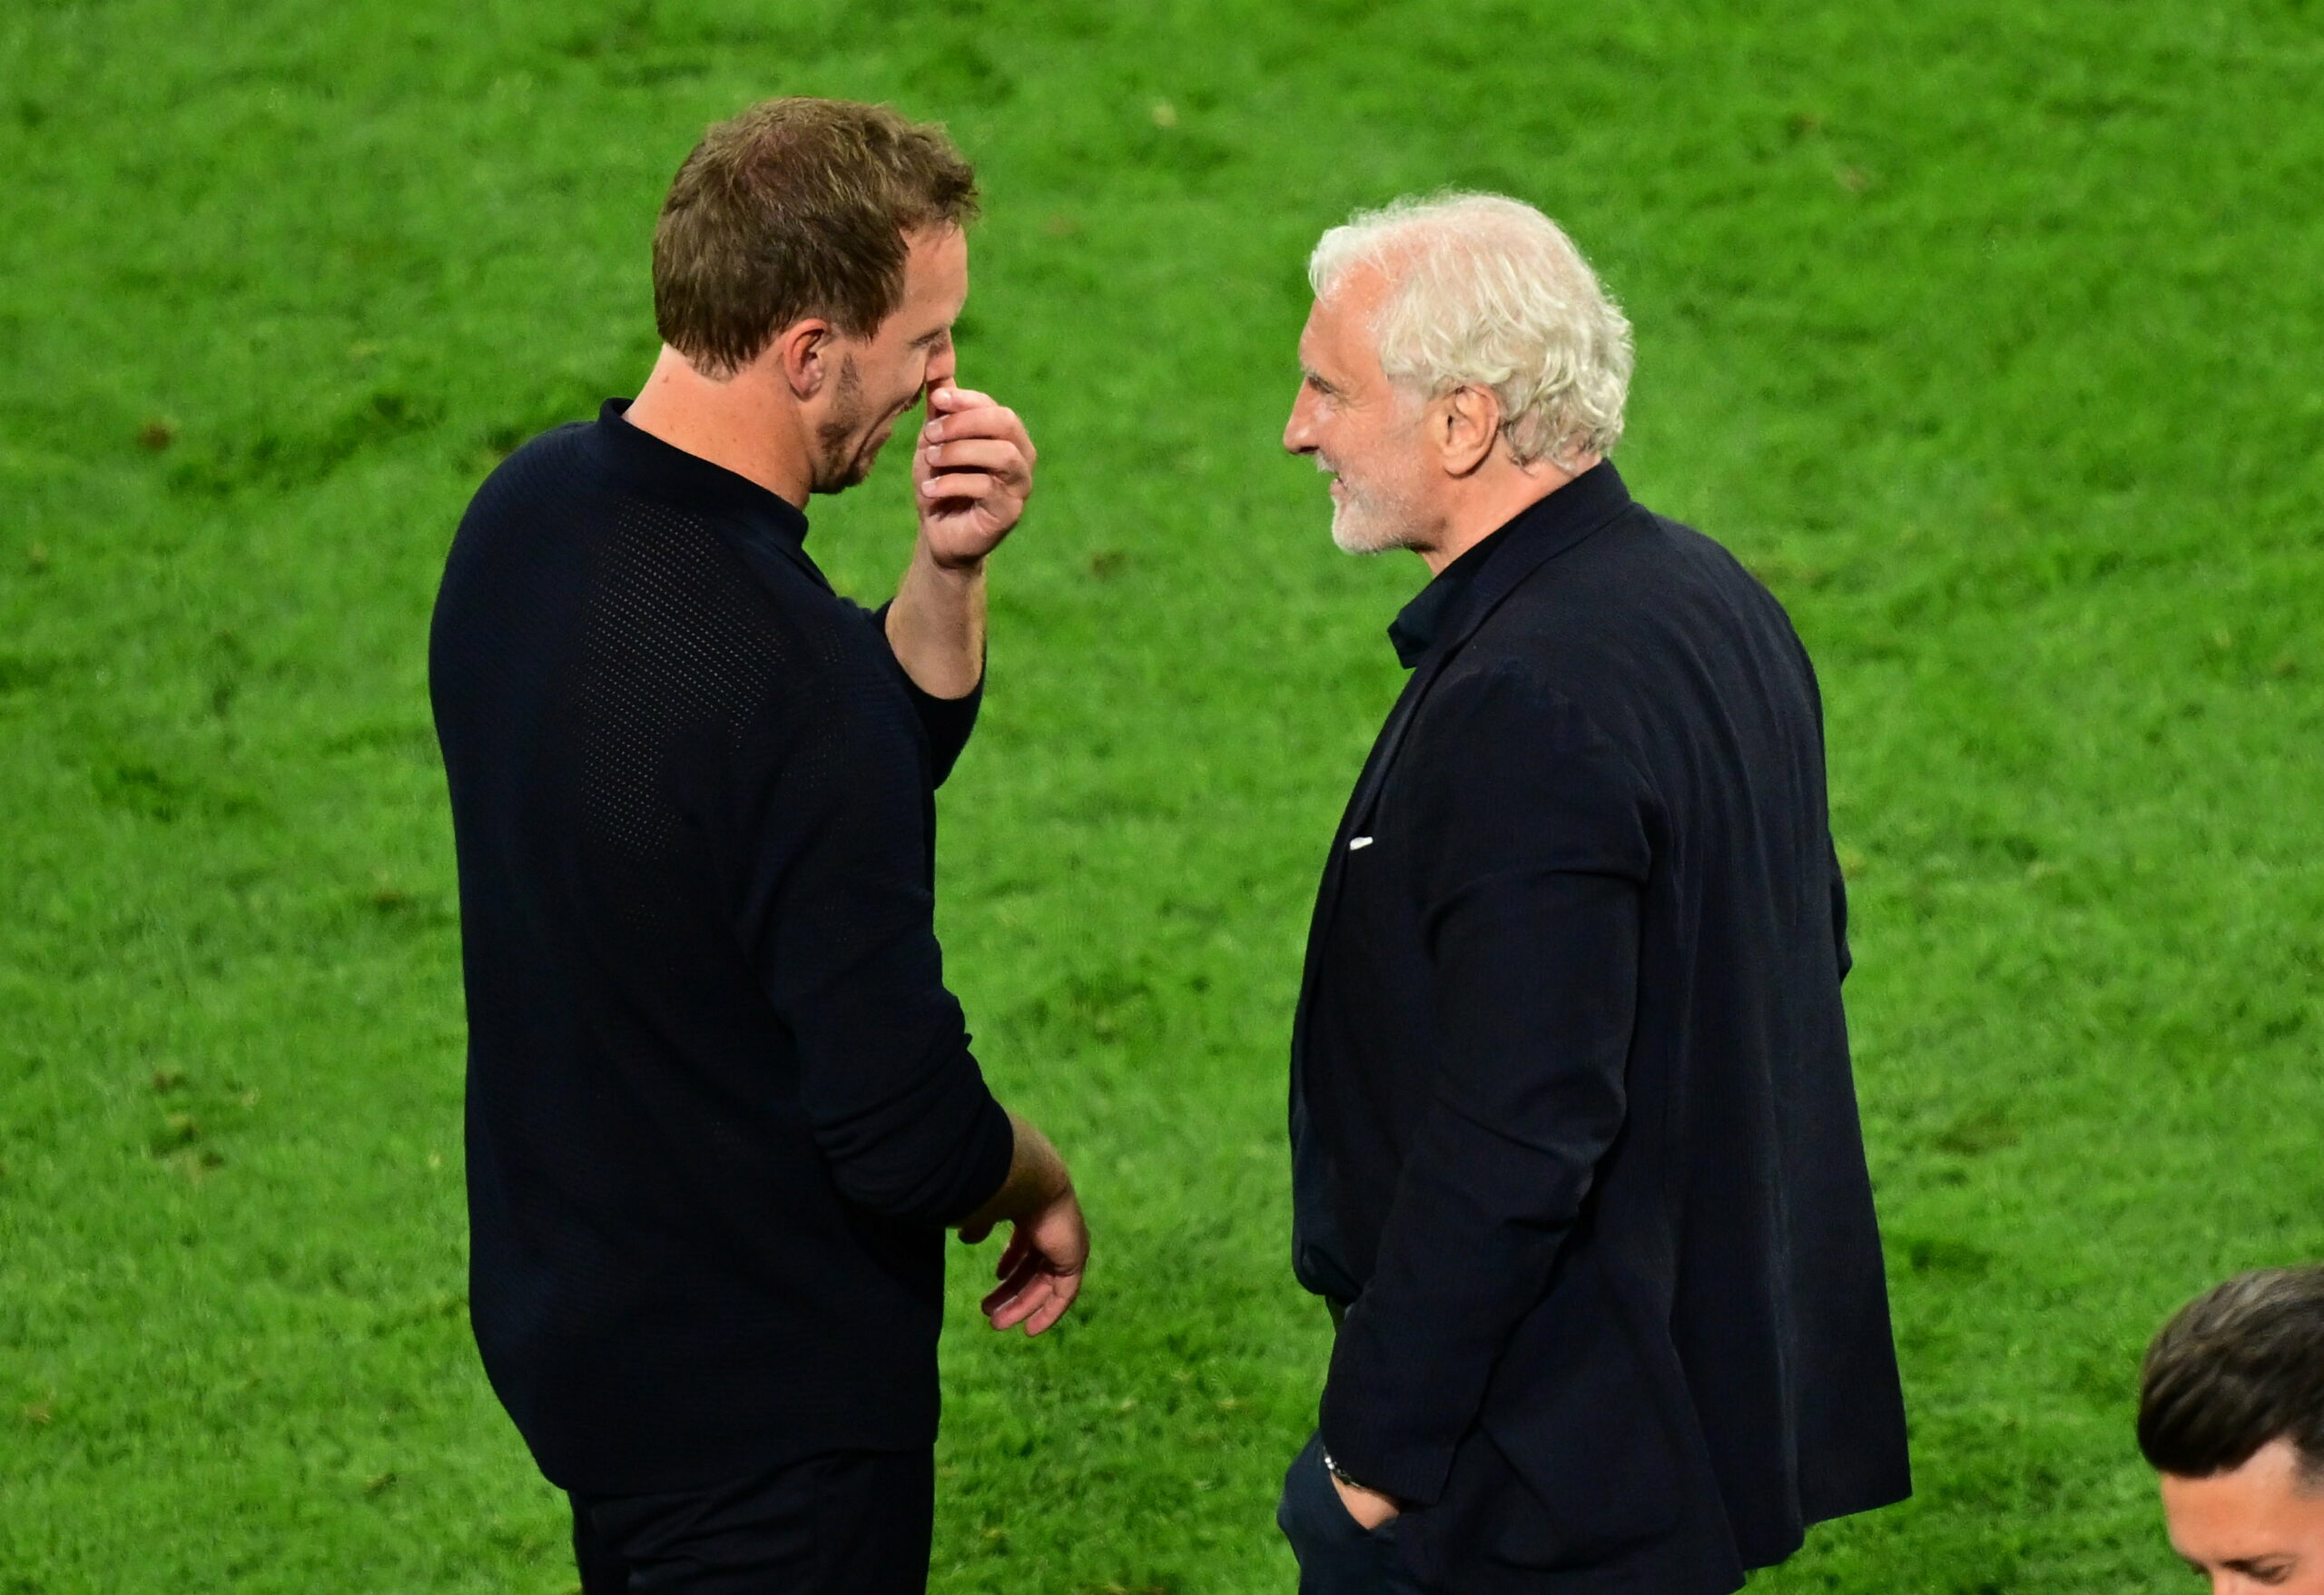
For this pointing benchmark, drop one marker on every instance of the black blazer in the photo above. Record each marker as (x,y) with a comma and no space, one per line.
(1572,1120)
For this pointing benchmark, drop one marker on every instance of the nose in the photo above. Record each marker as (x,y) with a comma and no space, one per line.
(1299,431)
(943,367)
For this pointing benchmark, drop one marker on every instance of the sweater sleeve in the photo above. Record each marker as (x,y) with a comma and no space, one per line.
(1532,852)
(1842,957)
(947,720)
(838,921)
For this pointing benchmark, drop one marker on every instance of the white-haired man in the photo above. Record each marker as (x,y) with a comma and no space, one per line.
(1576,1159)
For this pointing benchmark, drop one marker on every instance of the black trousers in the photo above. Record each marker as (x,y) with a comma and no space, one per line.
(850,1522)
(1337,1555)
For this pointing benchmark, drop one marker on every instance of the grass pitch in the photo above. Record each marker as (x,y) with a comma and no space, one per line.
(1988,333)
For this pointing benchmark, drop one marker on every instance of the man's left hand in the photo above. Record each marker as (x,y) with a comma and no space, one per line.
(1041,1268)
(972,471)
(1369,1508)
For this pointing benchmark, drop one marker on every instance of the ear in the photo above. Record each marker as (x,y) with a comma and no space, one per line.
(803,355)
(1465,425)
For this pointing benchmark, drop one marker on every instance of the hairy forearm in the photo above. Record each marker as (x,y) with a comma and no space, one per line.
(1039,1272)
(936,625)
(1037,1178)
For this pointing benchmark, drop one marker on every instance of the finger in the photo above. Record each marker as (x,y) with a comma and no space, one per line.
(997,455)
(937,447)
(1013,1255)
(1009,1295)
(951,398)
(1023,1305)
(1047,1316)
(999,426)
(1016,1264)
(1063,1289)
(1042,1303)
(1006,1295)
(971,481)
(1023,1271)
(960,485)
(986,420)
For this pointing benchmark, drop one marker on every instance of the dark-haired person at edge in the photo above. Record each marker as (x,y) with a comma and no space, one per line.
(722,1109)
(1575,1153)
(2231,1416)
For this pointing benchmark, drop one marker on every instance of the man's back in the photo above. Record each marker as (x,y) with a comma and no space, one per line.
(720,1105)
(1774,1296)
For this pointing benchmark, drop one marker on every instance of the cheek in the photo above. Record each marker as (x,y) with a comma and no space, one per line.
(1344,437)
(1388,443)
(1390,465)
(904,395)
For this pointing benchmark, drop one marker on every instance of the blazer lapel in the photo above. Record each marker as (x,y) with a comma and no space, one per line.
(1590,501)
(1601,497)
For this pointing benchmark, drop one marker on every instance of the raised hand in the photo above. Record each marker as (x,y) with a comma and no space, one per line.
(973,472)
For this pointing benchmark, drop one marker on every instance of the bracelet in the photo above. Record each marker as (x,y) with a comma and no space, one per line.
(1342,1475)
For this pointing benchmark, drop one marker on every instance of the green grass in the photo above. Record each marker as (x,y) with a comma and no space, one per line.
(1988,332)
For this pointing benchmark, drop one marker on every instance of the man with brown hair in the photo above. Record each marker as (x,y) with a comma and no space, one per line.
(722,1109)
(2232,1414)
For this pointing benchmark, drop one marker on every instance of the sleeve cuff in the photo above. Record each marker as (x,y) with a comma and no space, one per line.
(1367,1443)
(948,722)
(987,1163)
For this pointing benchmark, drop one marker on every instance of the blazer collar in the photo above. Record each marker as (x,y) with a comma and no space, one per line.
(1537,534)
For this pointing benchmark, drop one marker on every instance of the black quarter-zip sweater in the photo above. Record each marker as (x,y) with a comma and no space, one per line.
(720,1106)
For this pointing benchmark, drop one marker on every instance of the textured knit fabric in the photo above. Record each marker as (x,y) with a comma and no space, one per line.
(1573,1123)
(721,1106)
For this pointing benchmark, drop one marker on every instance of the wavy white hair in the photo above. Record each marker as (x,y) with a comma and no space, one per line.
(1486,292)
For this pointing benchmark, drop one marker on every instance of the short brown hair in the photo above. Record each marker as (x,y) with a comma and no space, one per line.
(2237,1368)
(798,207)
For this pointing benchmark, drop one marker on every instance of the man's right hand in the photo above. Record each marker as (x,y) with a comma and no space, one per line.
(1048,1242)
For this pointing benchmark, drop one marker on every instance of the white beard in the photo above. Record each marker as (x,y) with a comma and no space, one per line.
(1368,522)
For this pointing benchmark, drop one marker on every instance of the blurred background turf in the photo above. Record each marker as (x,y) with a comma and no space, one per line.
(1988,333)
